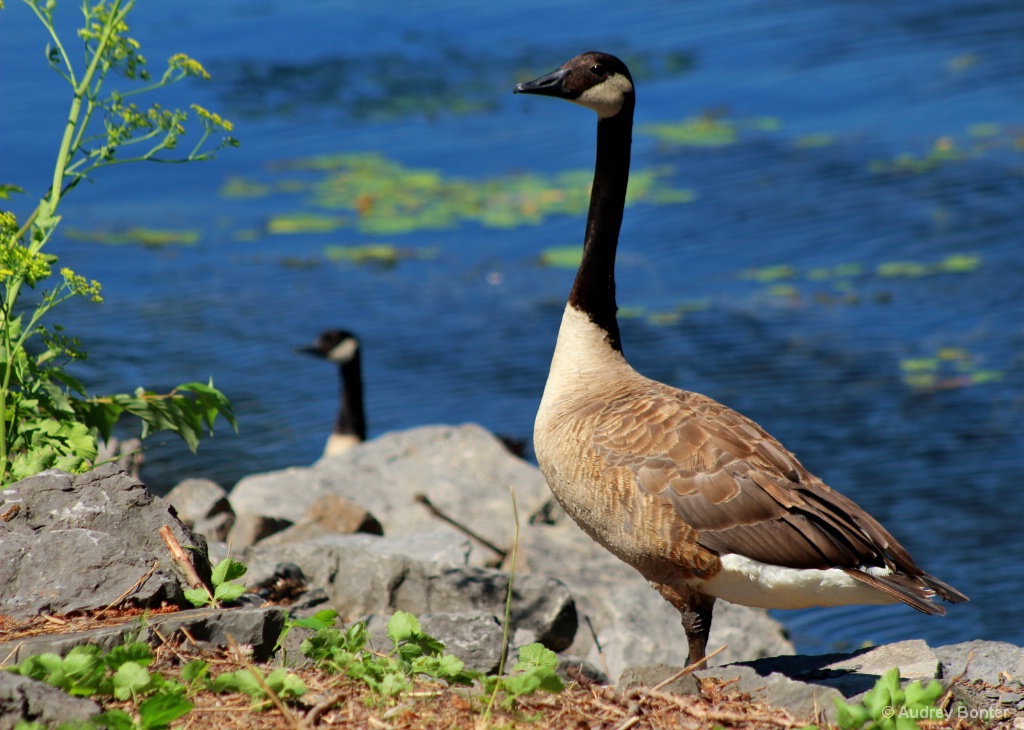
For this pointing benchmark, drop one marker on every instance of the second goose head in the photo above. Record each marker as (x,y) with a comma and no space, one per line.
(343,348)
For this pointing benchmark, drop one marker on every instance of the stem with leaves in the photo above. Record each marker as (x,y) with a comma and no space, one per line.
(46,418)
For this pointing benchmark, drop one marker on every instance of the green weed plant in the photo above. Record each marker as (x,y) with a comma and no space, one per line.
(225,590)
(888,707)
(47,418)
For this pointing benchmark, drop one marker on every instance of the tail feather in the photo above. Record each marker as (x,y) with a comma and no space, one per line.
(915,591)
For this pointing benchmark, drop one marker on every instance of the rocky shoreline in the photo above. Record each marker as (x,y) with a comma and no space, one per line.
(420,521)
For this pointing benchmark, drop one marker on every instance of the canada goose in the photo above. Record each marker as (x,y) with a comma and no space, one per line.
(341,347)
(698,498)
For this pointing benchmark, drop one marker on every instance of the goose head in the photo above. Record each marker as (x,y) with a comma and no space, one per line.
(338,346)
(598,81)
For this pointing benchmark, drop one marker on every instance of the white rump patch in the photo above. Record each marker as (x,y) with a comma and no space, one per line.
(752,583)
(607,97)
(343,351)
(339,443)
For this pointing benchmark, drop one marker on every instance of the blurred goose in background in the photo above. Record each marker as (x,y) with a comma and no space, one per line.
(698,498)
(343,349)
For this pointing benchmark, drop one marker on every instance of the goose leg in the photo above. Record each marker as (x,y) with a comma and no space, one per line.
(695,610)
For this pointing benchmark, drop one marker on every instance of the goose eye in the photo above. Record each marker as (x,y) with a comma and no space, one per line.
(597,69)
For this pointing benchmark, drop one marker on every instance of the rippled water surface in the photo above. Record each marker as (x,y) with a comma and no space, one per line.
(834,247)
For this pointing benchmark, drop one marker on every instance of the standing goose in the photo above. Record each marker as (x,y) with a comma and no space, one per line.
(342,348)
(695,496)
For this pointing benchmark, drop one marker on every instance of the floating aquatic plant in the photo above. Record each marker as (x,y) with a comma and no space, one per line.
(952,264)
(770,273)
(562,257)
(949,368)
(706,130)
(982,138)
(304,223)
(382,254)
(151,237)
(387,198)
(238,187)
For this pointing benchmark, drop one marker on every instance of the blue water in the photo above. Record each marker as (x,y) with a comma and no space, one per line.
(466,336)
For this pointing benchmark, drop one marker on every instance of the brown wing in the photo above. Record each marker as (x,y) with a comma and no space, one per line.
(735,484)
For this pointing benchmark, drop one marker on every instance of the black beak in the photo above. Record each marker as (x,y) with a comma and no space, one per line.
(312,350)
(550,85)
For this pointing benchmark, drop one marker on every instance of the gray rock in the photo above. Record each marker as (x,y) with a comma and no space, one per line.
(652,676)
(464,470)
(806,701)
(203,506)
(108,523)
(808,685)
(473,636)
(255,628)
(24,699)
(329,515)
(990,661)
(249,528)
(367,575)
(439,546)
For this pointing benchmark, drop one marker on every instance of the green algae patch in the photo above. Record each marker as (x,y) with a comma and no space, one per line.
(950,368)
(136,236)
(383,197)
(707,130)
(380,254)
(562,257)
(292,223)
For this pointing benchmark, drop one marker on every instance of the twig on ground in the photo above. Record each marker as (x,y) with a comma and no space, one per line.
(318,710)
(425,501)
(687,670)
(181,559)
(597,643)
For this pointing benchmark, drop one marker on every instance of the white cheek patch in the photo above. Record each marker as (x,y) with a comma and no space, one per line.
(607,97)
(343,351)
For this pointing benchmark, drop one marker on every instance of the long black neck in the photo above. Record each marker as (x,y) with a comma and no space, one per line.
(594,289)
(351,418)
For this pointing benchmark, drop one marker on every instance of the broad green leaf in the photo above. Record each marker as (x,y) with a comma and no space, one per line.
(319,620)
(536,655)
(228,570)
(195,670)
(401,626)
(129,680)
(227,592)
(197,596)
(160,710)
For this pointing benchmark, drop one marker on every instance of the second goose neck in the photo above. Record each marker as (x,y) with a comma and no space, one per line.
(594,289)
(351,417)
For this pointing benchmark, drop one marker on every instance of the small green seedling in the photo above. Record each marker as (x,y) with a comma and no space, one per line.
(281,682)
(534,672)
(224,591)
(415,653)
(888,707)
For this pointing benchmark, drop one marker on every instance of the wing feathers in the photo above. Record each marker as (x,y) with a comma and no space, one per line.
(746,494)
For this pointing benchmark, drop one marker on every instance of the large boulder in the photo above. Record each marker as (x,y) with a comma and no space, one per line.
(26,700)
(464,471)
(83,542)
